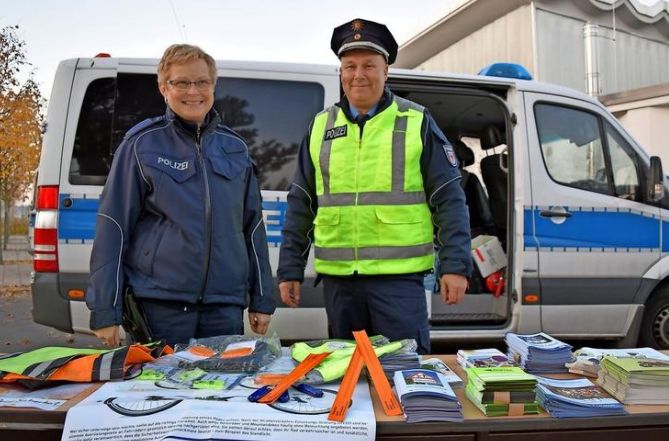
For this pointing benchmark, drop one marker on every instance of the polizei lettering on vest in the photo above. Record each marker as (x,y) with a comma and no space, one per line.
(336,132)
(172,164)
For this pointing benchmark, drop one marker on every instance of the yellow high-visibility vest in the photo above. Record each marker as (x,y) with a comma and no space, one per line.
(373,216)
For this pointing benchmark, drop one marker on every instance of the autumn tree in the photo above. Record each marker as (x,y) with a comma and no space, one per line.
(20,124)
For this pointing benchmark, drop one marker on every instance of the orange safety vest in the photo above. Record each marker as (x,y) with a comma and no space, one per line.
(76,365)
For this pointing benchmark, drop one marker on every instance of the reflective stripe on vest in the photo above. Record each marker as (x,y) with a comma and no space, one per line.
(379,169)
(374,253)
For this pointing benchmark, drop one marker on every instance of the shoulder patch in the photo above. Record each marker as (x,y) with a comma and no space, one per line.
(143,125)
(450,155)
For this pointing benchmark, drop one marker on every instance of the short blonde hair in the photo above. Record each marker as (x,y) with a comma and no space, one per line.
(180,54)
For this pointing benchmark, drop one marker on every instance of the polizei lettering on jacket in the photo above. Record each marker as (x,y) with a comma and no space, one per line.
(172,164)
(336,132)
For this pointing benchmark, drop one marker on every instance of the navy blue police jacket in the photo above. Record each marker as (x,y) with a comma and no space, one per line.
(441,179)
(180,219)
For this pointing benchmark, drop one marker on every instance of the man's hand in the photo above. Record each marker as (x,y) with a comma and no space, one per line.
(110,335)
(290,293)
(259,322)
(453,288)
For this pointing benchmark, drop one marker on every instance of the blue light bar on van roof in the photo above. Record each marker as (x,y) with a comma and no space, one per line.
(506,70)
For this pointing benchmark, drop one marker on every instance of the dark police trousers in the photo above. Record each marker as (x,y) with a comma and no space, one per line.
(178,322)
(390,305)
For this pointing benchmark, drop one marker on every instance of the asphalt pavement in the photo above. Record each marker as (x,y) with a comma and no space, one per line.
(18,332)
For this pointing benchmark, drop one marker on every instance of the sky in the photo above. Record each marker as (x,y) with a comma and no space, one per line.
(270,30)
(258,30)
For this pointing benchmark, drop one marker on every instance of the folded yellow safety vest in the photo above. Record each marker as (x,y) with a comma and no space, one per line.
(334,367)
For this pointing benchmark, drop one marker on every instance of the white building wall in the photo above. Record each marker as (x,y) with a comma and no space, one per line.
(560,50)
(648,127)
(627,61)
(507,39)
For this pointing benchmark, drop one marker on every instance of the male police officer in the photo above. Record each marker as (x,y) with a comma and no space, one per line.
(374,173)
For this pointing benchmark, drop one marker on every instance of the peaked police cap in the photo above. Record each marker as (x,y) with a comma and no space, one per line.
(364,34)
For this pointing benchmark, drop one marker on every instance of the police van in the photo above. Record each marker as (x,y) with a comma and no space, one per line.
(575,207)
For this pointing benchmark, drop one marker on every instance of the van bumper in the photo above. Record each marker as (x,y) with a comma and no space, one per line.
(50,307)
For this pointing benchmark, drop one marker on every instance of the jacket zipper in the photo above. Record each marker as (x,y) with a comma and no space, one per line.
(200,157)
(355,210)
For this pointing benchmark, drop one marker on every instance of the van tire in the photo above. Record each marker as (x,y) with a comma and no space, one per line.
(655,325)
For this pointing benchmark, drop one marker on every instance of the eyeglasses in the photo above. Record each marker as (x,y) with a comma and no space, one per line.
(185,85)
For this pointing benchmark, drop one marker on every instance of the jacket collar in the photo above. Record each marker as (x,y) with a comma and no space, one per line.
(212,119)
(385,101)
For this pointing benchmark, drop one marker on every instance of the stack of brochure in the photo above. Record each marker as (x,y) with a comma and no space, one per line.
(539,353)
(635,380)
(575,399)
(425,395)
(435,364)
(402,359)
(483,358)
(586,360)
(499,391)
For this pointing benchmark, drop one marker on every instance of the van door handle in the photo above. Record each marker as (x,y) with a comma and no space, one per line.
(550,214)
(557,215)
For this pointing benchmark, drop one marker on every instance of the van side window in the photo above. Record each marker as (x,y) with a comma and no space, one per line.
(572,147)
(91,155)
(624,163)
(271,115)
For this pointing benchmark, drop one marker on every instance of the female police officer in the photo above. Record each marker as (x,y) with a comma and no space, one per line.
(180,219)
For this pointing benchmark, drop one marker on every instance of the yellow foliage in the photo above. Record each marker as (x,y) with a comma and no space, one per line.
(20,121)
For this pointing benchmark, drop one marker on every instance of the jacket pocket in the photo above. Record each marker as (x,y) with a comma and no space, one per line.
(147,252)
(229,166)
(394,214)
(179,169)
(327,216)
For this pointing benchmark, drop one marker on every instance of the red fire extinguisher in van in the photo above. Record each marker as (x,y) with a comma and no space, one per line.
(495,283)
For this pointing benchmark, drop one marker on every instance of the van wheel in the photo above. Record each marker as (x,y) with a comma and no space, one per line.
(655,325)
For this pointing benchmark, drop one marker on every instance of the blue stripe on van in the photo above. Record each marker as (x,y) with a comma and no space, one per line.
(528,238)
(274,213)
(618,229)
(77,222)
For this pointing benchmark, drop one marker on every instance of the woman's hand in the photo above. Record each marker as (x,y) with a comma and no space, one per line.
(259,322)
(110,335)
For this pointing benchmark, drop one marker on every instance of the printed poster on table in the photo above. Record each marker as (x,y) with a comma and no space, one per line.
(142,411)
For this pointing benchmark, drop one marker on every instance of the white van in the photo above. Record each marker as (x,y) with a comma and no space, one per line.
(574,201)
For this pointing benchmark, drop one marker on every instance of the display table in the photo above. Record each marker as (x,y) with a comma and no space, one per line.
(647,423)
(643,423)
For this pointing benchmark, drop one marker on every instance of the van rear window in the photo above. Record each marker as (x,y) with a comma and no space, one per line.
(271,115)
(91,156)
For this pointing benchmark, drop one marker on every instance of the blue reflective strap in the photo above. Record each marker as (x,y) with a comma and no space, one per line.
(284,398)
(259,393)
(309,390)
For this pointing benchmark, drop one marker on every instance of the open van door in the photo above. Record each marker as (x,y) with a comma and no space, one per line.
(595,233)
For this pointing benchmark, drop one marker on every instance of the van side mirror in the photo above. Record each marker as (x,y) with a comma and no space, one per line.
(655,180)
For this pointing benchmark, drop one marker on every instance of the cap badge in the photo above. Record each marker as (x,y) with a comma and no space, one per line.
(357,25)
